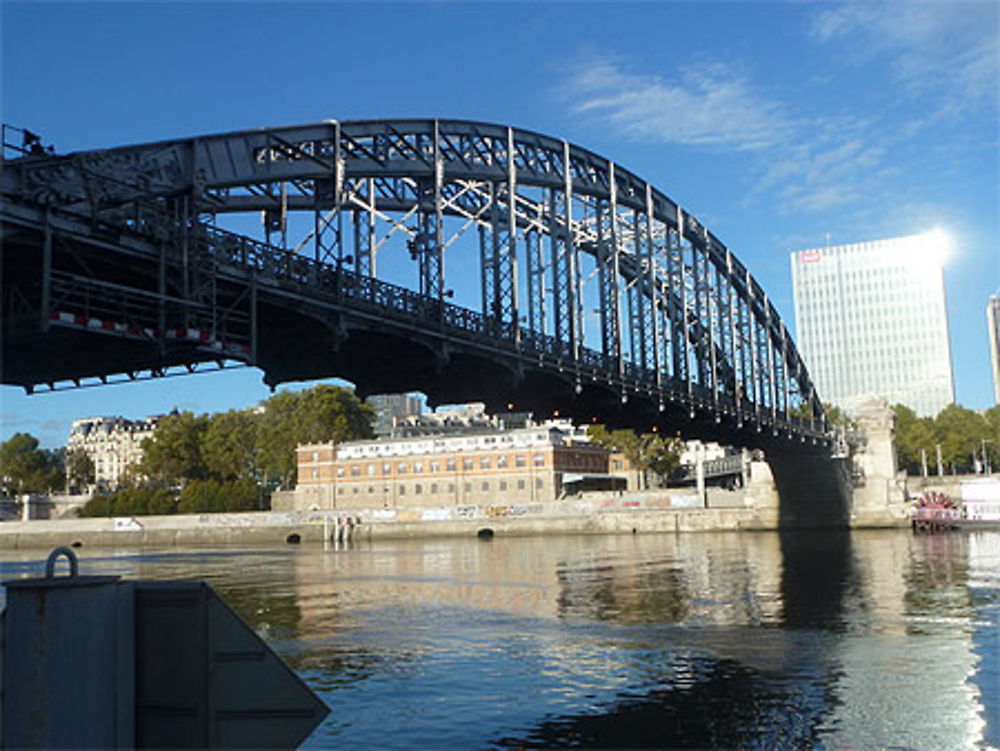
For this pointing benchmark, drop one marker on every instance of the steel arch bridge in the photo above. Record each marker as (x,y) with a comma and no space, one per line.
(530,273)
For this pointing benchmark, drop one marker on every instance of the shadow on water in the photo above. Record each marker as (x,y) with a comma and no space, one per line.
(724,697)
(818,573)
(727,705)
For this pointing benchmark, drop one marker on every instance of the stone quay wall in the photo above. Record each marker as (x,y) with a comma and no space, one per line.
(658,511)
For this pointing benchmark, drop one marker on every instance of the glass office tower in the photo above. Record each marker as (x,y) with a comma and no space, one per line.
(871,321)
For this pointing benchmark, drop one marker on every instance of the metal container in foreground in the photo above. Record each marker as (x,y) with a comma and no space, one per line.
(96,662)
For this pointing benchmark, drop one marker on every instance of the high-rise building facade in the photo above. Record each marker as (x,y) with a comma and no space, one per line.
(993,328)
(871,321)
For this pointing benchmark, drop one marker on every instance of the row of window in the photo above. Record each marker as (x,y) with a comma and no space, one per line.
(434,465)
(473,442)
(435,488)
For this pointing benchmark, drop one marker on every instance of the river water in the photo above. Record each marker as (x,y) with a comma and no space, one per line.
(730,640)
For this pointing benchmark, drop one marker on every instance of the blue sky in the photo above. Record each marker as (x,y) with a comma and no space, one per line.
(776,124)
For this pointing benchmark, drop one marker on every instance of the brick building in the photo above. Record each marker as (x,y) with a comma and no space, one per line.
(525,465)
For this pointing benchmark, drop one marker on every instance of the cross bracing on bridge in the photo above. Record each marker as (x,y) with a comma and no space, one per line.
(587,275)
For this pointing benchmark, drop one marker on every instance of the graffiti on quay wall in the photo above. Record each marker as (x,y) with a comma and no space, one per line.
(436,514)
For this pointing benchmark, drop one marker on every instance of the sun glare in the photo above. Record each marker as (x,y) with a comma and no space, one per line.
(934,247)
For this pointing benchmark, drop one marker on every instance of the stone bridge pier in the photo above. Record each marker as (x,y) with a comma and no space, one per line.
(811,489)
(879,492)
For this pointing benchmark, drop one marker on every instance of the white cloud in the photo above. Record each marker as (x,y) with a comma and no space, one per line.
(801,164)
(943,58)
(708,104)
(947,53)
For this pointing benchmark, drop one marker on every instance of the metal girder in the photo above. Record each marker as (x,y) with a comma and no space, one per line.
(674,302)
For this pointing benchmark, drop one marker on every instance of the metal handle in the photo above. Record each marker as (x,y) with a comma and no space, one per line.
(50,564)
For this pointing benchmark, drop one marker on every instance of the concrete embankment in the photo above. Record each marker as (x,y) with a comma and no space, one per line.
(639,513)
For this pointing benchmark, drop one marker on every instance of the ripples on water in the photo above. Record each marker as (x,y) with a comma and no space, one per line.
(880,639)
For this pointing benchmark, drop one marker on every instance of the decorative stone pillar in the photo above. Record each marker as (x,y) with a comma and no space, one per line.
(879,497)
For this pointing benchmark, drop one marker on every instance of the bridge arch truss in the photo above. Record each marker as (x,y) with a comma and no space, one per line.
(583,269)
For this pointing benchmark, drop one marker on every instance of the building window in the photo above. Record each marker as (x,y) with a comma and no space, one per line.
(402,489)
(418,467)
(355,470)
(451,487)
(484,463)
(340,471)
(538,482)
(401,468)
(503,485)
(502,462)
(486,485)
(435,467)
(539,460)
(467,487)
(371,470)
(386,468)
(315,473)
(418,488)
(315,456)
(434,488)
(520,484)
(450,465)
(467,464)
(520,460)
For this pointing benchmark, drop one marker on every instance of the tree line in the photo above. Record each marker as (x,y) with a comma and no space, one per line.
(962,434)
(27,468)
(226,461)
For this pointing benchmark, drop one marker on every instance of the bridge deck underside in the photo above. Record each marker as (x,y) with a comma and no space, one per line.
(123,306)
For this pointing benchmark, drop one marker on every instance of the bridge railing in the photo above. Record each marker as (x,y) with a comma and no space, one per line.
(255,258)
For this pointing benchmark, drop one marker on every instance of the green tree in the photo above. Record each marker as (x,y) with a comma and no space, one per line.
(80,468)
(959,431)
(174,453)
(229,446)
(206,496)
(277,436)
(660,455)
(649,452)
(131,502)
(317,415)
(26,468)
(913,433)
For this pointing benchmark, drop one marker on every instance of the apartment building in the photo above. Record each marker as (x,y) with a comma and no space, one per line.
(112,443)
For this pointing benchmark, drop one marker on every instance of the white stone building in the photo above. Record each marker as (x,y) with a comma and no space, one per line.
(112,443)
